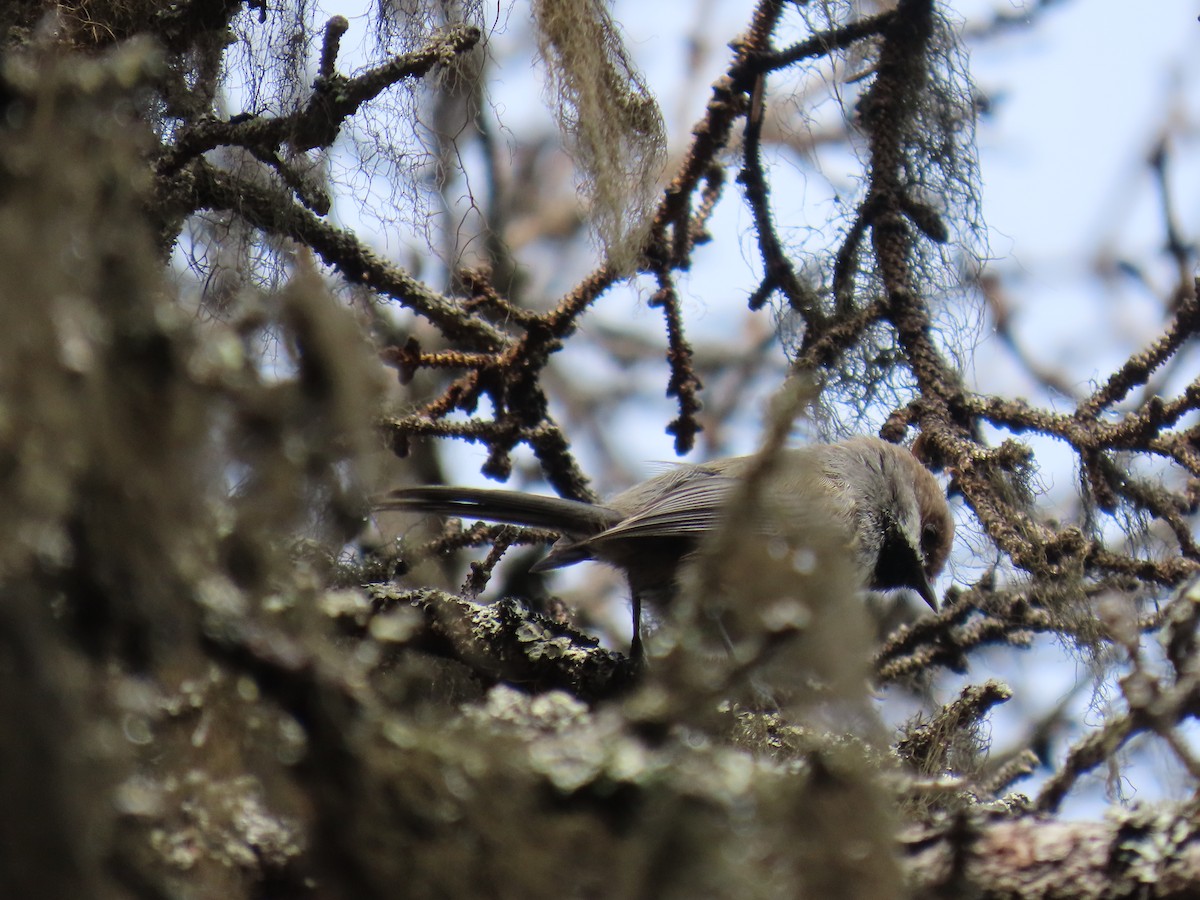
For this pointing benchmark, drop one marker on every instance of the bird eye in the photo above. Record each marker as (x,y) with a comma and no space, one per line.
(931,537)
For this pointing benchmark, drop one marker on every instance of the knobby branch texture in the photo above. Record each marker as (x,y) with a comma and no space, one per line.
(229,685)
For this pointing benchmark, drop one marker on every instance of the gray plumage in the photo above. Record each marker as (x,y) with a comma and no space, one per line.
(887,506)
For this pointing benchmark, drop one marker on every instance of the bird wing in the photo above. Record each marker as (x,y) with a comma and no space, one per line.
(689,501)
(686,507)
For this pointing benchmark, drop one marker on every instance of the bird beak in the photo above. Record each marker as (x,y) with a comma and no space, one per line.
(925,589)
(900,565)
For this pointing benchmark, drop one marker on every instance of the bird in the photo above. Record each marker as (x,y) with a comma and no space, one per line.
(887,509)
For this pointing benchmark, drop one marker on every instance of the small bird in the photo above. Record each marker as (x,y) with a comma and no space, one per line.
(888,508)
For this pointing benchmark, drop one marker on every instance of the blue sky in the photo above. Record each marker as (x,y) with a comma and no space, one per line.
(1080,98)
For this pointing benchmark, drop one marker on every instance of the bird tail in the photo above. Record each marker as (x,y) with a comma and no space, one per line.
(568,517)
